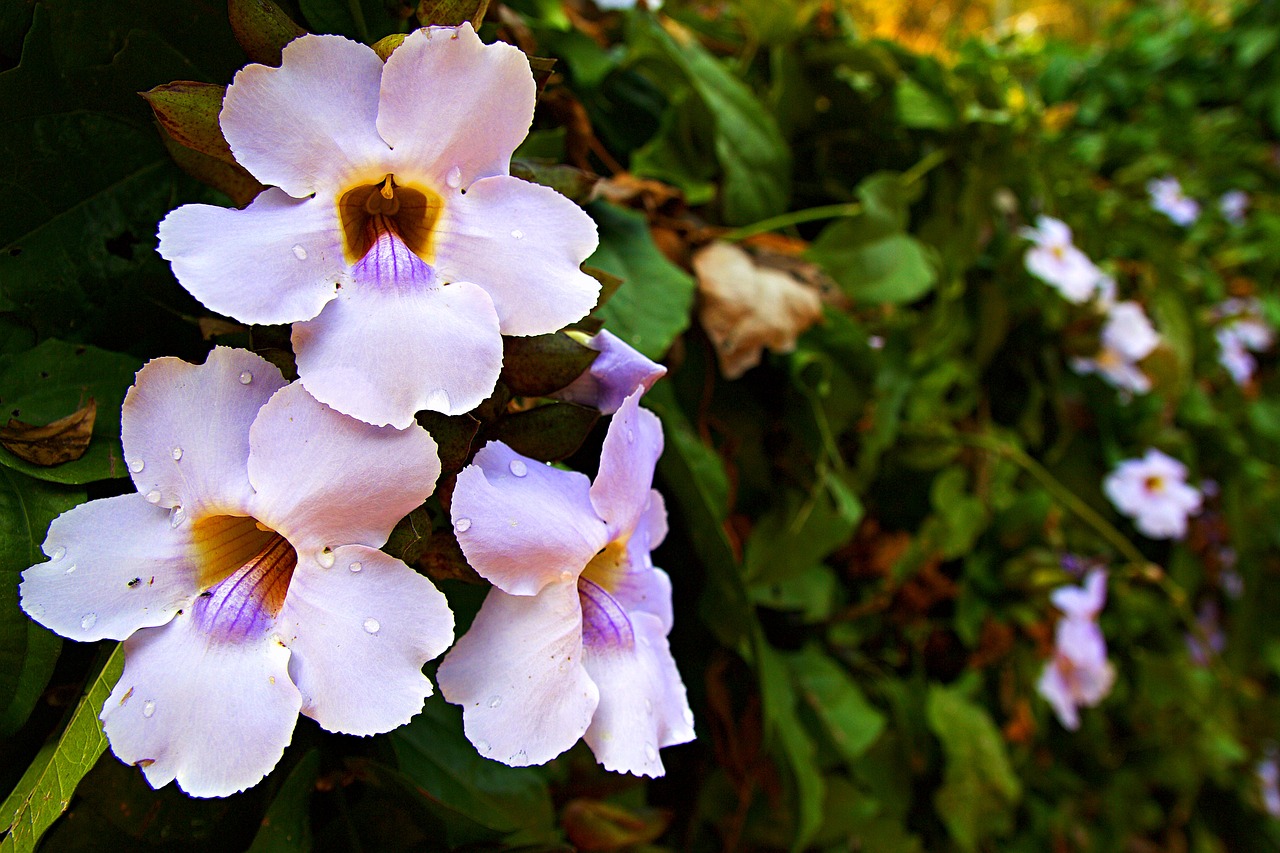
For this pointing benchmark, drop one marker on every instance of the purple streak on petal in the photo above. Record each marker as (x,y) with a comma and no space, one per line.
(392,265)
(604,623)
(243,606)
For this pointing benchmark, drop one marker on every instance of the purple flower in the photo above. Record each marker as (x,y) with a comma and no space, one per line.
(1242,331)
(392,236)
(1127,338)
(1153,491)
(244,577)
(615,374)
(1269,783)
(572,640)
(1234,204)
(1056,261)
(1079,674)
(1167,198)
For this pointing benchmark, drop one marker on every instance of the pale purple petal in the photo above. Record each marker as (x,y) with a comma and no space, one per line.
(522,524)
(1083,602)
(325,480)
(642,700)
(620,493)
(382,355)
(1053,687)
(1129,332)
(277,261)
(518,675)
(311,124)
(116,565)
(448,101)
(360,632)
(215,716)
(1081,642)
(523,243)
(185,429)
(617,371)
(643,587)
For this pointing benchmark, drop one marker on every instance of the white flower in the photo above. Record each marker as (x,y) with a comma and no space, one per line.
(1127,338)
(1167,198)
(1079,674)
(1153,491)
(1243,330)
(393,237)
(1056,261)
(244,577)
(1234,204)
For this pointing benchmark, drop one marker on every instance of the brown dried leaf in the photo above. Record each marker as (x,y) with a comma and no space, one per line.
(746,307)
(595,825)
(64,440)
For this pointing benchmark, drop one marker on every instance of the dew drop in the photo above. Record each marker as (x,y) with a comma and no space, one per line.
(518,468)
(89,620)
(438,401)
(356,566)
(462,525)
(299,252)
(58,554)
(650,753)
(245,377)
(176,453)
(495,701)
(372,625)
(566,576)
(648,706)
(325,558)
(153,496)
(71,568)
(482,746)
(178,517)
(518,234)
(631,436)
(137,465)
(454,178)
(149,708)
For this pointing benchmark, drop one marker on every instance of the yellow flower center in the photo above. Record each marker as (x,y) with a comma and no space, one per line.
(609,566)
(261,560)
(1153,484)
(370,210)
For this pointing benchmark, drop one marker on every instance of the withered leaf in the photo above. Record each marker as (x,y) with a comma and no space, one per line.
(64,440)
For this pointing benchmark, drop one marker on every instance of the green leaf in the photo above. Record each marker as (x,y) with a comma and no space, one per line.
(749,147)
(920,108)
(52,381)
(799,531)
(433,751)
(451,13)
(538,365)
(675,154)
(653,305)
(364,20)
(788,741)
(28,651)
(549,433)
(849,719)
(979,789)
(262,29)
(189,112)
(286,827)
(45,790)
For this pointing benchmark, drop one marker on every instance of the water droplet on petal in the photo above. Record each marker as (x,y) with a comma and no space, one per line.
(178,517)
(438,401)
(71,568)
(176,453)
(89,620)
(518,468)
(325,558)
(631,436)
(454,178)
(245,377)
(372,625)
(648,706)
(356,566)
(462,525)
(153,496)
(650,752)
(299,252)
(137,465)
(566,576)
(482,746)
(149,708)
(518,234)
(495,701)
(58,554)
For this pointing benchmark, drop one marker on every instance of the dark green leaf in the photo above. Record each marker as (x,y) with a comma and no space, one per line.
(536,366)
(569,181)
(451,13)
(189,112)
(852,722)
(920,108)
(454,435)
(286,827)
(262,28)
(363,20)
(549,433)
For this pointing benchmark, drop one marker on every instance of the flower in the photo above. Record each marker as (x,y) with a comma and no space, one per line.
(1234,204)
(1268,772)
(1208,623)
(1153,491)
(616,372)
(1127,338)
(1167,197)
(244,577)
(572,640)
(1242,330)
(1079,674)
(393,237)
(1056,261)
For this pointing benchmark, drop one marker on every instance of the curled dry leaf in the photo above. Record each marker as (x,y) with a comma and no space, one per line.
(64,440)
(746,307)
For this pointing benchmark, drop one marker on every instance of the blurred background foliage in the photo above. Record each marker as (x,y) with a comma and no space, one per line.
(865,529)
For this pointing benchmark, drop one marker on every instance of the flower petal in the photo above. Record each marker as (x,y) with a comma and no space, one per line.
(1053,687)
(311,123)
(215,716)
(518,675)
(622,486)
(360,633)
(617,371)
(521,524)
(643,587)
(381,355)
(450,101)
(116,566)
(523,243)
(185,429)
(325,480)
(642,701)
(277,261)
